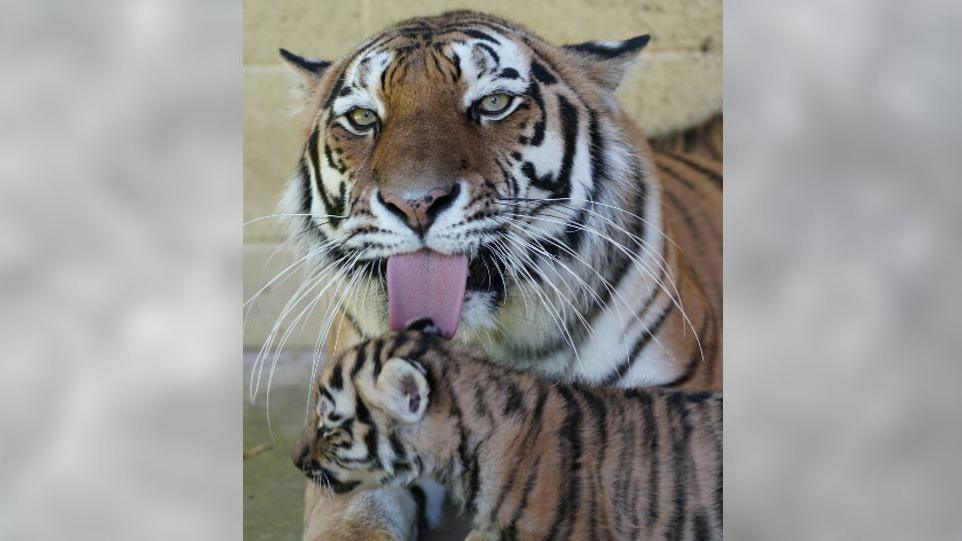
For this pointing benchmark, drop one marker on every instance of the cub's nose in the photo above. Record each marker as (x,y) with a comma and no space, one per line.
(421,212)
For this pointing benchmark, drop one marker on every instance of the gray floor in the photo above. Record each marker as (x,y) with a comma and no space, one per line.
(273,487)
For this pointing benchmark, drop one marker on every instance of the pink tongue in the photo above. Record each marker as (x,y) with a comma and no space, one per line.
(426,284)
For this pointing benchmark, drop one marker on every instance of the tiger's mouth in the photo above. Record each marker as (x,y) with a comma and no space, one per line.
(325,478)
(428,285)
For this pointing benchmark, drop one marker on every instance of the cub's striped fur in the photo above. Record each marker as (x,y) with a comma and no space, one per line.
(529,459)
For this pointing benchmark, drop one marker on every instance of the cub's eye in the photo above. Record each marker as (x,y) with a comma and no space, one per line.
(362,118)
(494,103)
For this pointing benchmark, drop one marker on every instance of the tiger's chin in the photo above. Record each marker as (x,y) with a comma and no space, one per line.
(478,313)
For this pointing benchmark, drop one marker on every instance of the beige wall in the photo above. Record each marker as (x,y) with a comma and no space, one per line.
(679,84)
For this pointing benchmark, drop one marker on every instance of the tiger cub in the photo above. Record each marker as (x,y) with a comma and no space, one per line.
(530,459)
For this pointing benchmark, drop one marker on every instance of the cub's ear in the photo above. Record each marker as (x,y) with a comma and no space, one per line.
(607,61)
(311,69)
(402,390)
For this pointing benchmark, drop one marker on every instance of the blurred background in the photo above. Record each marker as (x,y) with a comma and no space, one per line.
(120,269)
(120,255)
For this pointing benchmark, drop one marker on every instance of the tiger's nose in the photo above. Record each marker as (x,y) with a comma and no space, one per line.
(421,212)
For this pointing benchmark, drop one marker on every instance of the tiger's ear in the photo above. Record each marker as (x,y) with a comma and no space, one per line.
(402,390)
(311,69)
(607,61)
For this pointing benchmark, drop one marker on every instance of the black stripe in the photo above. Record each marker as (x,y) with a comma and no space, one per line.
(313,153)
(326,394)
(569,436)
(715,177)
(306,195)
(627,496)
(701,531)
(494,55)
(598,419)
(696,356)
(420,500)
(568,116)
(511,532)
(545,183)
(514,400)
(689,222)
(531,436)
(624,367)
(338,84)
(534,92)
(360,359)
(509,73)
(422,344)
(396,447)
(541,73)
(376,357)
(625,47)
(477,34)
(337,378)
(679,177)
(353,321)
(330,159)
(457,65)
(650,444)
(681,463)
(316,67)
(370,439)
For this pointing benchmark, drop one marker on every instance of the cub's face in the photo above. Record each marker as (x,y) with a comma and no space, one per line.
(355,437)
(451,134)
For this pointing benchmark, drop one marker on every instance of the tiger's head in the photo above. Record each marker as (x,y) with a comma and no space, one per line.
(461,137)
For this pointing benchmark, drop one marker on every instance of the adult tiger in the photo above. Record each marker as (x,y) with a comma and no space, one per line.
(505,166)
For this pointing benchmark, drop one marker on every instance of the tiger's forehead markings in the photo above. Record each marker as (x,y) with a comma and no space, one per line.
(359,78)
(486,61)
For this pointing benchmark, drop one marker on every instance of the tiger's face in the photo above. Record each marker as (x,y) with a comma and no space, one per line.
(454,135)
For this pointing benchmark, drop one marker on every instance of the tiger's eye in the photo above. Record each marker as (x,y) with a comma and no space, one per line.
(363,117)
(495,103)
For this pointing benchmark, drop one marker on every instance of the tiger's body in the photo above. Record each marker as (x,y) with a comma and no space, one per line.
(592,260)
(527,458)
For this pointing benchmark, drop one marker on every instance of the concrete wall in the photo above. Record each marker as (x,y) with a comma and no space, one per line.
(678,85)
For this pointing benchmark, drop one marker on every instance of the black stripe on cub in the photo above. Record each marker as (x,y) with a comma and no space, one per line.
(680,429)
(421,501)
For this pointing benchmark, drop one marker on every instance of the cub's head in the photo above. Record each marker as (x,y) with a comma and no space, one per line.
(366,402)
(460,135)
